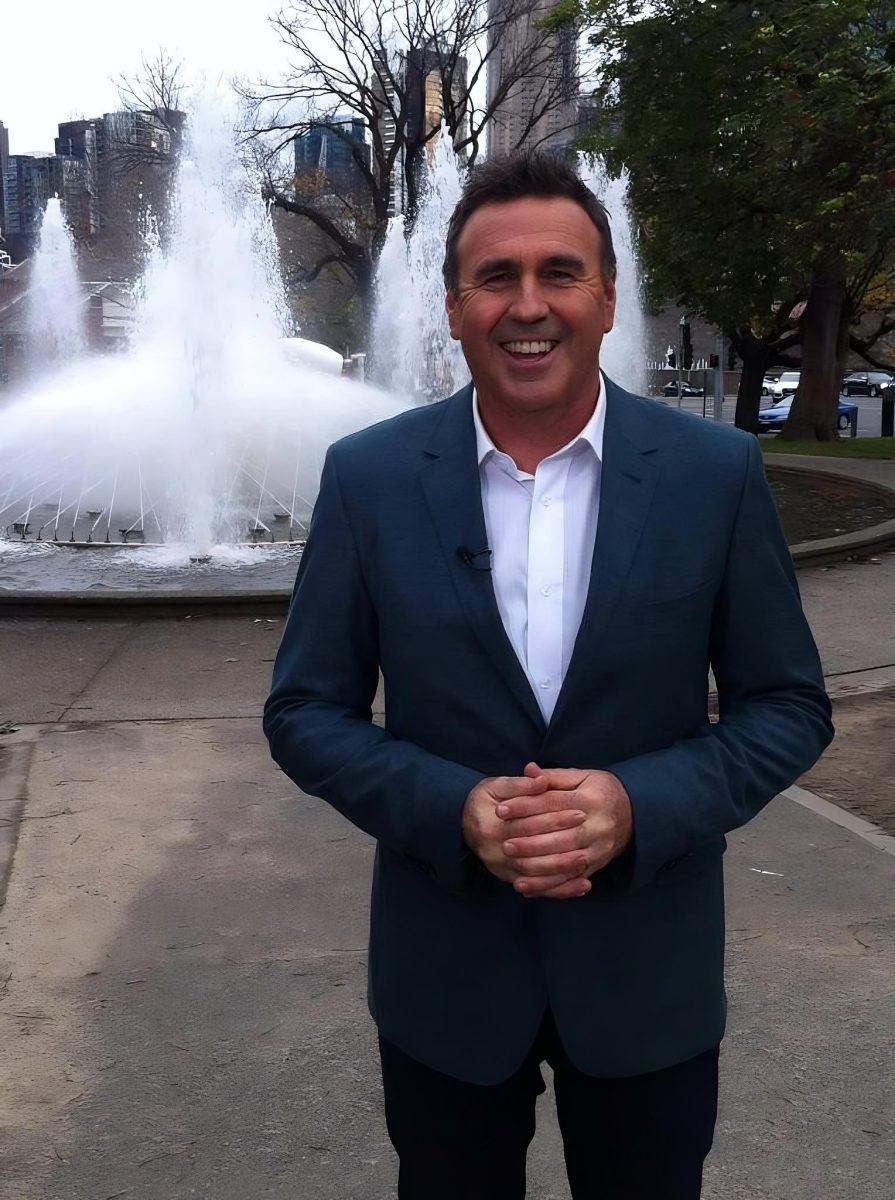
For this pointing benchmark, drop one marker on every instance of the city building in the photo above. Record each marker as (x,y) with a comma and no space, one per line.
(4,158)
(388,103)
(135,155)
(329,151)
(425,82)
(538,69)
(28,182)
(77,145)
(418,88)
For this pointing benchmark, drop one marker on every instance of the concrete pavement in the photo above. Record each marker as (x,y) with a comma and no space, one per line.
(183,941)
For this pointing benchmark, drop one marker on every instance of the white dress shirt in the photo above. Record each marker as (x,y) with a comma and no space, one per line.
(541,530)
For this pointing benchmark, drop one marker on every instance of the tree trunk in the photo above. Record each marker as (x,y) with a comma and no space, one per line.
(749,392)
(814,407)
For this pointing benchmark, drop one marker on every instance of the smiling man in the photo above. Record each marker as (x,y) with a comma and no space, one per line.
(544,568)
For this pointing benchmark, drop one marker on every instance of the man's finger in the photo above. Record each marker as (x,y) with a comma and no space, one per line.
(547,843)
(572,862)
(572,889)
(553,887)
(514,808)
(543,823)
(562,778)
(508,787)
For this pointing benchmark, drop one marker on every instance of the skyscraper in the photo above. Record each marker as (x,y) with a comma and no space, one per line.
(537,70)
(331,148)
(427,85)
(426,80)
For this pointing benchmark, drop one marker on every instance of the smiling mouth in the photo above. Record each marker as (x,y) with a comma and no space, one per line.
(529,348)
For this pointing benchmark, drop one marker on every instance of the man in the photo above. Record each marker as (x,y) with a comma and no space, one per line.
(544,569)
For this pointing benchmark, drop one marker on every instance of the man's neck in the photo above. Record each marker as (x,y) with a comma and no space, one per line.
(530,437)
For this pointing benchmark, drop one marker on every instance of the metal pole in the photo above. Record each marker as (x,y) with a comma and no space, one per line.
(718,407)
(680,364)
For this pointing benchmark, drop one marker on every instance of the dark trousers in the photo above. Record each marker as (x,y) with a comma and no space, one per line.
(638,1138)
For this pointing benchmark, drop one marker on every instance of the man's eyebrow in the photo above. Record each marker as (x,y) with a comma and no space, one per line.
(572,261)
(492,265)
(499,265)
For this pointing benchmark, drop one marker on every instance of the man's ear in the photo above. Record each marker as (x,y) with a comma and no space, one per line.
(452,307)
(611,294)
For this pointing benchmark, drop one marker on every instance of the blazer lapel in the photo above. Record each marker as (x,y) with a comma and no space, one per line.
(629,474)
(450,481)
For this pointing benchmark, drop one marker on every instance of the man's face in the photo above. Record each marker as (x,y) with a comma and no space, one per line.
(531,306)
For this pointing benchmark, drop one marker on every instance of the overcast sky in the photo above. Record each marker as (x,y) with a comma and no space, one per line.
(58,57)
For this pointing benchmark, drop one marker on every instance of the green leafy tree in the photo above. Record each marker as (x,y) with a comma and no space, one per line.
(759,141)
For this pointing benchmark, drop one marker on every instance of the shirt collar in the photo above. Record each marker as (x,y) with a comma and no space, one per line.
(591,434)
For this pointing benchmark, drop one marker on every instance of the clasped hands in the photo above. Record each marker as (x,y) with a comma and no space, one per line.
(548,831)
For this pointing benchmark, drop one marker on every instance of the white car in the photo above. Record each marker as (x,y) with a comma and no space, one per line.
(786,385)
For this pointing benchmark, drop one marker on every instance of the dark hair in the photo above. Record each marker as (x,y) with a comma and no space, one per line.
(515,177)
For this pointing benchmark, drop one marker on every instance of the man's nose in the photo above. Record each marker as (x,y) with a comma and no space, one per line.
(529,301)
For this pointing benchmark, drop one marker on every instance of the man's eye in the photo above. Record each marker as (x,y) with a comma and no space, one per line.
(559,273)
(497,278)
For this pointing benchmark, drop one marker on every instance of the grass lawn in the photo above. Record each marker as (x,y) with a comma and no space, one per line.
(860,447)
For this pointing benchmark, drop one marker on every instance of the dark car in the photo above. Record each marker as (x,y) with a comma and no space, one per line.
(687,389)
(866,383)
(774,417)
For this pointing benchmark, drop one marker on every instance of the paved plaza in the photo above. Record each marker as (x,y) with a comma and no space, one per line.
(183,957)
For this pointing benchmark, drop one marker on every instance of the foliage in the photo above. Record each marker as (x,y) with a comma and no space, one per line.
(759,140)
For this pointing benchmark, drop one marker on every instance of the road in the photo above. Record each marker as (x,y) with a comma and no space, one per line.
(869,410)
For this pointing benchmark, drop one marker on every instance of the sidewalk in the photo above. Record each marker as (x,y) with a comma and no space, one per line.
(183,958)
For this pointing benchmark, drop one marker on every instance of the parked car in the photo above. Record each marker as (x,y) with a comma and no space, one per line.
(774,417)
(687,389)
(767,385)
(866,383)
(786,385)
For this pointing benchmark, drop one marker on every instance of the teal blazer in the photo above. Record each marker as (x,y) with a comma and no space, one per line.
(690,572)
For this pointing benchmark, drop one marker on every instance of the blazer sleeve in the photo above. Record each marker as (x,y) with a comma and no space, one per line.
(774,714)
(318,717)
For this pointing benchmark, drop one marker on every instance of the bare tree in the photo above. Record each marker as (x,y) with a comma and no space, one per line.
(134,160)
(400,67)
(156,92)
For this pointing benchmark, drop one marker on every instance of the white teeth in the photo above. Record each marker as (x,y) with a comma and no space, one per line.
(529,347)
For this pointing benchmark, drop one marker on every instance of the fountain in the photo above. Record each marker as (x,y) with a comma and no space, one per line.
(188,465)
(56,299)
(415,355)
(205,439)
(622,353)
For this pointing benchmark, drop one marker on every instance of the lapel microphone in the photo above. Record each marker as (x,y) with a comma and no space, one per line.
(470,558)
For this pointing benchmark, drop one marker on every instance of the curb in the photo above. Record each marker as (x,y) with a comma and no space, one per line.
(843,545)
(141,604)
(842,817)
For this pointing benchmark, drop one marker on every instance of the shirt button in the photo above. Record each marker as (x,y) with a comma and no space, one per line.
(545,500)
(543,683)
(546,589)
